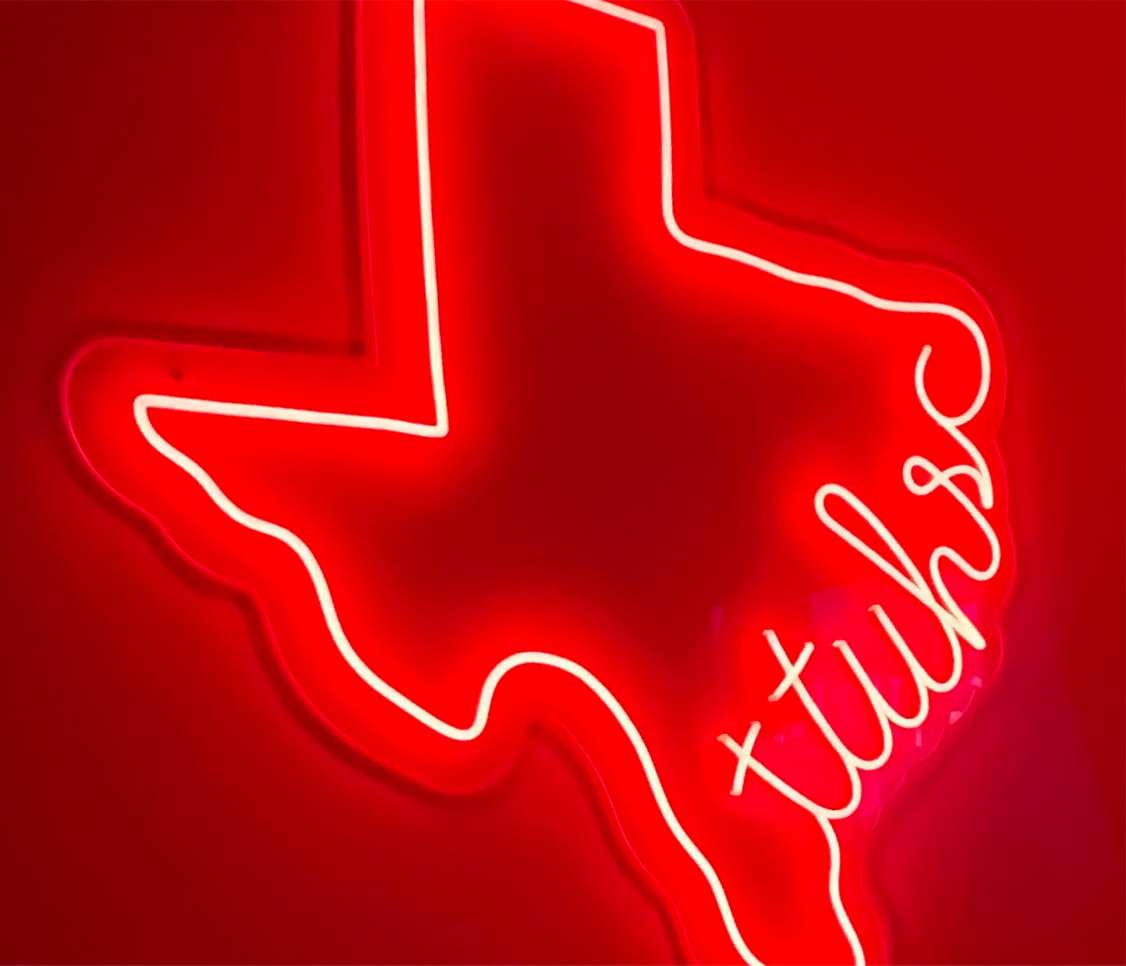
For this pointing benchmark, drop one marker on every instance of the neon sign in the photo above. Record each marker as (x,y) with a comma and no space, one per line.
(128,400)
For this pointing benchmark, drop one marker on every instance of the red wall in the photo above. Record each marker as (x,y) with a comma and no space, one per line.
(180,165)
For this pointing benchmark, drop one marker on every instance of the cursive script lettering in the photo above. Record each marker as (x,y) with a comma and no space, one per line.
(922,478)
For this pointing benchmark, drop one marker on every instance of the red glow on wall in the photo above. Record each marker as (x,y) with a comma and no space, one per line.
(406,653)
(714,502)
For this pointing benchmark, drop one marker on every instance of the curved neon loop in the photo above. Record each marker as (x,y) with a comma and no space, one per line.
(954,622)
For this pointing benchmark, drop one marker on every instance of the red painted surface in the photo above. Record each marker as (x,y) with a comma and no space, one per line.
(186,172)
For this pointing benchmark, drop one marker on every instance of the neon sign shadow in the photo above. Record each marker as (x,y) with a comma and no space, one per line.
(920,477)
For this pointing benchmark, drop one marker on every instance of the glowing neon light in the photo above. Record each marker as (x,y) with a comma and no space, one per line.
(921,477)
